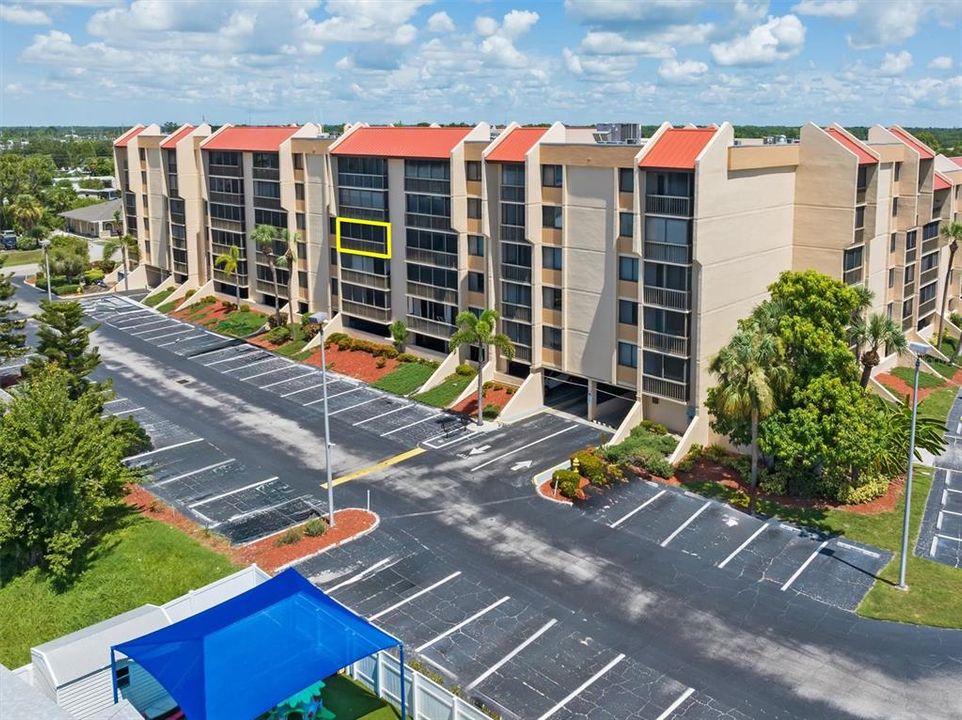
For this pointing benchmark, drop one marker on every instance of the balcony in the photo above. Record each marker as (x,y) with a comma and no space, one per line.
(676,205)
(667,298)
(516,273)
(381,282)
(929,276)
(668,252)
(432,292)
(907,323)
(853,276)
(522,353)
(517,313)
(226,170)
(266,286)
(663,342)
(429,222)
(369,312)
(266,173)
(430,327)
(221,276)
(926,308)
(426,185)
(908,290)
(664,388)
(267,203)
(235,226)
(930,245)
(910,255)
(431,257)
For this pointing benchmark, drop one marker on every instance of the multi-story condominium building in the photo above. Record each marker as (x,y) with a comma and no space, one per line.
(619,266)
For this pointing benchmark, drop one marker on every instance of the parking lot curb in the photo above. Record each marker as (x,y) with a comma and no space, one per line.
(368,531)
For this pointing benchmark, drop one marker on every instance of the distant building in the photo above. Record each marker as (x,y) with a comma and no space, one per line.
(93,221)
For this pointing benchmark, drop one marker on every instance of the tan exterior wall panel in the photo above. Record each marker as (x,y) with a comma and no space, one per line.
(759,157)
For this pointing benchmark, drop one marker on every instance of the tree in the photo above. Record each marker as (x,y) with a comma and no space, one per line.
(60,197)
(12,341)
(399,334)
(26,212)
(952,231)
(479,331)
(896,426)
(878,332)
(61,472)
(287,261)
(101,166)
(750,370)
(126,244)
(169,127)
(64,340)
(264,236)
(229,262)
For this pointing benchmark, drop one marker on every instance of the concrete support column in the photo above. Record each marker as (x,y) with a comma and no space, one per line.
(592,400)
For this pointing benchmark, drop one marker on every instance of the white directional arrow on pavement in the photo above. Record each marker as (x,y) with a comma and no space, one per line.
(523,465)
(479,450)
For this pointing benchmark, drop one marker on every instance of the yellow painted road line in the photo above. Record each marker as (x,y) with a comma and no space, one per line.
(401,457)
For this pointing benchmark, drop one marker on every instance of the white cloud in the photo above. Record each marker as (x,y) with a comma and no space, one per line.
(19,15)
(779,38)
(440,22)
(658,44)
(598,68)
(635,11)
(682,72)
(826,8)
(896,63)
(498,44)
(943,62)
(485,26)
(892,23)
(517,23)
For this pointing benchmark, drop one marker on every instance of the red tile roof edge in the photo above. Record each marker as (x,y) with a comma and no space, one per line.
(129,135)
(515,146)
(678,148)
(250,138)
(957,160)
(912,142)
(171,140)
(364,141)
(864,156)
(941,182)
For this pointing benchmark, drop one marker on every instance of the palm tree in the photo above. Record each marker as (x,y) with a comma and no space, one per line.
(129,250)
(26,212)
(287,261)
(399,334)
(229,262)
(264,236)
(880,331)
(953,232)
(479,331)
(750,370)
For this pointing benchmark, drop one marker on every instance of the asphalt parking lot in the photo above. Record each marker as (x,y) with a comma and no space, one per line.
(832,570)
(940,536)
(521,655)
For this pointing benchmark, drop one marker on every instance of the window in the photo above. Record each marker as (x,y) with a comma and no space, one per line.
(123,673)
(677,184)
(927,293)
(551,258)
(666,230)
(910,240)
(267,189)
(859,217)
(472,169)
(551,297)
(298,161)
(552,338)
(889,309)
(474,208)
(666,321)
(221,157)
(665,366)
(907,308)
(516,294)
(627,354)
(626,224)
(430,275)
(332,255)
(852,259)
(898,171)
(891,277)
(333,286)
(514,254)
(626,180)
(628,268)
(670,277)
(929,261)
(476,282)
(551,176)
(301,223)
(892,242)
(266,160)
(298,189)
(476,245)
(895,206)
(628,312)
(551,216)
(862,181)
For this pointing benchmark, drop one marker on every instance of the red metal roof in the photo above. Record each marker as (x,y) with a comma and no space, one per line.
(402,142)
(128,136)
(252,139)
(941,182)
(864,156)
(677,148)
(922,150)
(514,147)
(957,160)
(171,142)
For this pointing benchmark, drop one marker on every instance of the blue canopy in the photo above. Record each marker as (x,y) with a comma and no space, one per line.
(240,658)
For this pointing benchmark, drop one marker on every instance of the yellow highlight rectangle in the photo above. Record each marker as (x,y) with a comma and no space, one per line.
(377,223)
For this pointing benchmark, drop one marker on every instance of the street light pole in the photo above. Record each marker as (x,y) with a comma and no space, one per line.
(45,244)
(321,319)
(920,349)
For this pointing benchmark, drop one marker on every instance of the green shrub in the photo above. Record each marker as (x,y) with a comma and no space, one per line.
(955,318)
(337,338)
(491,411)
(407,358)
(655,428)
(380,362)
(278,335)
(291,536)
(739,499)
(244,307)
(773,482)
(656,465)
(274,320)
(691,457)
(866,491)
(228,306)
(589,465)
(389,352)
(310,330)
(465,370)
(94,275)
(568,482)
(433,364)
(315,527)
(189,294)
(66,289)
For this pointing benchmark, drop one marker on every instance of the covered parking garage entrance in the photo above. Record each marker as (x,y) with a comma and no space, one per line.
(588,399)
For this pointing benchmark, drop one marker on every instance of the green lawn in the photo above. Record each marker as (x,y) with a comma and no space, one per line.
(292,349)
(407,378)
(21,257)
(155,300)
(350,701)
(143,561)
(938,403)
(926,380)
(241,323)
(445,393)
(169,307)
(946,370)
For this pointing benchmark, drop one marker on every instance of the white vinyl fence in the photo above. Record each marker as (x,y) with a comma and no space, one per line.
(426,700)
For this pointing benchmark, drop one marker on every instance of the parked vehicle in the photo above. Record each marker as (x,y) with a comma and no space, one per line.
(9,240)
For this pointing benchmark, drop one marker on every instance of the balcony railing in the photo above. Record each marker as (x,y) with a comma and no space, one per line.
(909,289)
(853,276)
(664,388)
(221,276)
(910,255)
(907,323)
(668,252)
(930,245)
(663,342)
(929,276)
(426,185)
(518,313)
(366,311)
(226,170)
(381,282)
(226,198)
(432,292)
(926,308)
(516,273)
(266,173)
(236,226)
(268,287)
(666,297)
(522,353)
(678,206)
(431,222)
(430,327)
(431,257)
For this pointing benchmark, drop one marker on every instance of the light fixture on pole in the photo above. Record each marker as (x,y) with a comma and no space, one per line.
(45,244)
(321,318)
(920,350)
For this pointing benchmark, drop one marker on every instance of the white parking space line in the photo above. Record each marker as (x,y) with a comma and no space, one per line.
(582,687)
(948,537)
(360,576)
(167,447)
(378,417)
(279,382)
(523,447)
(256,362)
(801,569)
(675,705)
(170,334)
(405,427)
(231,492)
(415,596)
(257,511)
(133,410)
(114,400)
(349,407)
(699,511)
(304,389)
(198,471)
(935,546)
(162,321)
(213,352)
(178,340)
(507,658)
(744,545)
(266,372)
(638,509)
(235,356)
(451,631)
(331,397)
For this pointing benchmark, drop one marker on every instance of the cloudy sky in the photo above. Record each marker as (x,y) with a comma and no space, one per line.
(578,61)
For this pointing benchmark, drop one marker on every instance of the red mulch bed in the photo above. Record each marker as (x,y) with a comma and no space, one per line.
(491,397)
(348,523)
(901,388)
(212,314)
(261,341)
(355,363)
(546,489)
